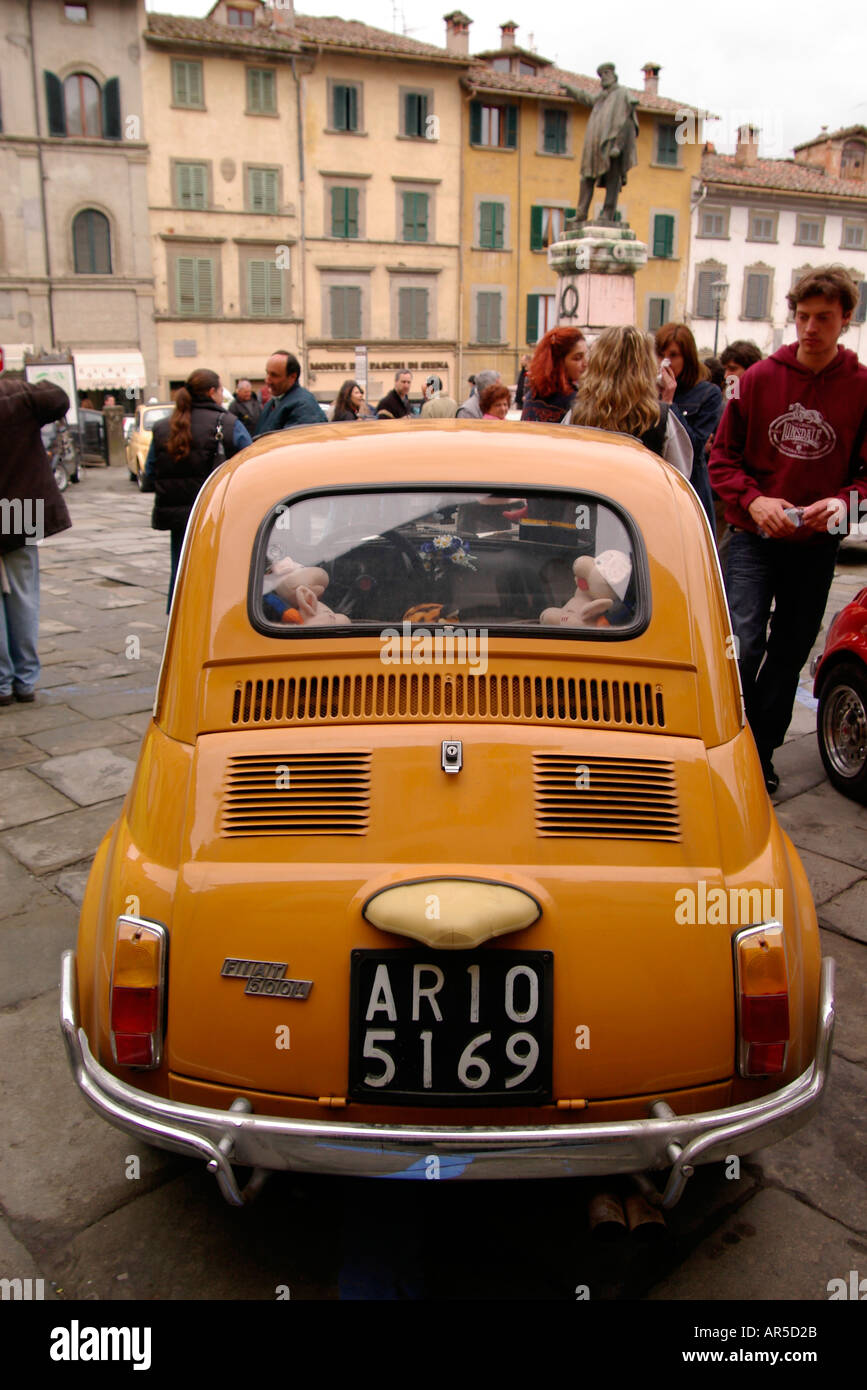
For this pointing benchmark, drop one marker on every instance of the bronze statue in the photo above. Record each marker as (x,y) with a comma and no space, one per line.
(609,144)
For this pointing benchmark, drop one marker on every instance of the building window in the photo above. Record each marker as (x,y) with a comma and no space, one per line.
(763,226)
(860,314)
(344,212)
(240,18)
(666,144)
(853,160)
(264,289)
(526,69)
(494,125)
(501,64)
(191,186)
(76,13)
(854,238)
(78,107)
(713,222)
(188,87)
(195,278)
(658,312)
(489,305)
(415,112)
(345,106)
(663,235)
(415,216)
(262,91)
(412,313)
(345,303)
(541,315)
(91,241)
(809,231)
(263,190)
(757,292)
(555,131)
(546,226)
(83,102)
(705,297)
(492,224)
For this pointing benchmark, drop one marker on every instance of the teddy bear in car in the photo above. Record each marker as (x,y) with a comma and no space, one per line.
(600,583)
(294,595)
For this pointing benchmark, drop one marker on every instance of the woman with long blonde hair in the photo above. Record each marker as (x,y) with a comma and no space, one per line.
(620,392)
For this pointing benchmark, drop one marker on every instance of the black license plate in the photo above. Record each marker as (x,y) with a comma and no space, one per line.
(451,1028)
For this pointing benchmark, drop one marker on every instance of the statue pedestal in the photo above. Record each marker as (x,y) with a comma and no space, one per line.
(596,265)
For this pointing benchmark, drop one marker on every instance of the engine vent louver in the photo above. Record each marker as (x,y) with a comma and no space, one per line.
(300,794)
(605,798)
(498,698)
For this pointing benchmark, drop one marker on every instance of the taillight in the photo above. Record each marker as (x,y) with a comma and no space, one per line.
(137,992)
(762,984)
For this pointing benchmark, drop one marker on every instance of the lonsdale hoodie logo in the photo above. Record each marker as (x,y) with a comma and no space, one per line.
(802,433)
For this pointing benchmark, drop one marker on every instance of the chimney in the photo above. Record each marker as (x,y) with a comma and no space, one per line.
(747,152)
(508,31)
(651,79)
(458,33)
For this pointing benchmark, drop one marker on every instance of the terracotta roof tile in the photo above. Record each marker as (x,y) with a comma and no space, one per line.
(834,135)
(779,174)
(351,33)
(170,26)
(549,83)
(308,30)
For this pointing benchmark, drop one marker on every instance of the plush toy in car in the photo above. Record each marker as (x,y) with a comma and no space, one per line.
(294,595)
(599,584)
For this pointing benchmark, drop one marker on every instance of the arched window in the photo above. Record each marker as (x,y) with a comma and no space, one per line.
(91,240)
(852,160)
(82,100)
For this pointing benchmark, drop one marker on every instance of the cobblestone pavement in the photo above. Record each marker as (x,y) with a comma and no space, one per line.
(794,1219)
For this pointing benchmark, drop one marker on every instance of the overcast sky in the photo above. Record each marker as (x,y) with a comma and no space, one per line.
(790,66)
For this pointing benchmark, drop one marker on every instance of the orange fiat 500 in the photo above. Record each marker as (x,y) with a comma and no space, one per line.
(448,840)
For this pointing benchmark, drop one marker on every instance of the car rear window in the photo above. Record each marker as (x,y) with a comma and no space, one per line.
(153,417)
(569,564)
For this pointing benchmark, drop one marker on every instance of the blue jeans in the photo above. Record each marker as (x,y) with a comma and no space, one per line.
(19,622)
(796,578)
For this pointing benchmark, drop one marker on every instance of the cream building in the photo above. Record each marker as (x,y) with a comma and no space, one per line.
(75,263)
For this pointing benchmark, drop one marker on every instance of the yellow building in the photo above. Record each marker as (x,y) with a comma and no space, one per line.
(521,175)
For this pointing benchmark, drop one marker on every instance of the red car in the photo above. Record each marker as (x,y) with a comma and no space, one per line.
(841,688)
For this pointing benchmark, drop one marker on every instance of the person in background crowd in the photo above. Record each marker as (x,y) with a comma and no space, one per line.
(715,370)
(736,359)
(35,508)
(471,408)
(86,403)
(699,404)
(245,404)
(495,401)
(436,405)
(790,462)
(108,402)
(350,403)
(185,448)
(396,402)
(290,405)
(619,392)
(264,394)
(555,369)
(522,382)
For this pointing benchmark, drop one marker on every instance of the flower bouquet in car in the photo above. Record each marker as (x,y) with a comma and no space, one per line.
(441,551)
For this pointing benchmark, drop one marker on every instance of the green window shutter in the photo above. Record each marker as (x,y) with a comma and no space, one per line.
(82,245)
(486,225)
(268,82)
(482,333)
(411,113)
(499,225)
(257,272)
(663,235)
(404,314)
(254,90)
(194,80)
(666,145)
(274,289)
(111,110)
(186,83)
(351,212)
(555,132)
(511,140)
(338,212)
(475,122)
(345,107)
(412,313)
(532,317)
(54,104)
(421,216)
(263,190)
(192,185)
(488,317)
(271,190)
(345,311)
(757,287)
(179,83)
(537,216)
(204,286)
(185,272)
(352,111)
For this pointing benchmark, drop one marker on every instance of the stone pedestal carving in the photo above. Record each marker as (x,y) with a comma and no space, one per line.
(596,265)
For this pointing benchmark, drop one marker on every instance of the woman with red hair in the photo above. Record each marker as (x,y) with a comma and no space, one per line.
(552,376)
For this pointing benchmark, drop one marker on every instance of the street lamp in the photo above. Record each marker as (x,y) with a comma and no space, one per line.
(717,289)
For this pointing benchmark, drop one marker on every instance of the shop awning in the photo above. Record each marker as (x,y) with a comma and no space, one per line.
(108,370)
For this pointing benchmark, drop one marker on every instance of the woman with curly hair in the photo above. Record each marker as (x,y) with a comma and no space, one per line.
(494,401)
(619,392)
(553,375)
(194,440)
(685,383)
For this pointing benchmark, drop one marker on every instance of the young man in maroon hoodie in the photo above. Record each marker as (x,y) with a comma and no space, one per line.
(790,463)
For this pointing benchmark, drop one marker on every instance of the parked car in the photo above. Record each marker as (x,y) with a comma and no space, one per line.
(840,685)
(139,440)
(448,851)
(61,444)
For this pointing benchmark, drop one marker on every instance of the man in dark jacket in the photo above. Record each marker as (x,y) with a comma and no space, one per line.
(31,507)
(790,462)
(246,406)
(397,401)
(290,404)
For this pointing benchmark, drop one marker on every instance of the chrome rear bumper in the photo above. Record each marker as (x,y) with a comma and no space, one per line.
(224,1138)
